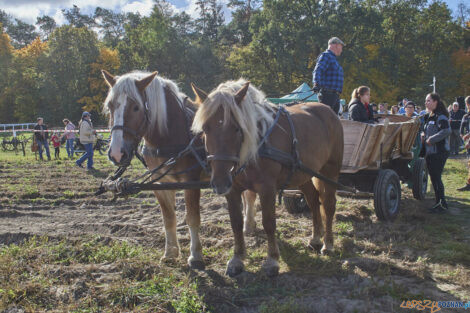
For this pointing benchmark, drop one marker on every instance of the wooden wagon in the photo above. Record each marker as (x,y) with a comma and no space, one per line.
(376,158)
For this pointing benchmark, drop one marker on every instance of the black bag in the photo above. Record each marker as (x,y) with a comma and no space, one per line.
(62,140)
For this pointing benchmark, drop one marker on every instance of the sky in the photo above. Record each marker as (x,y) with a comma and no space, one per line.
(29,10)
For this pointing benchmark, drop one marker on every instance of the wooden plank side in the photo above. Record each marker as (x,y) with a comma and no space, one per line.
(353,133)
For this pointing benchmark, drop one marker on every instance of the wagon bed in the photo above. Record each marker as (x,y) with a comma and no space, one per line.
(369,145)
(376,158)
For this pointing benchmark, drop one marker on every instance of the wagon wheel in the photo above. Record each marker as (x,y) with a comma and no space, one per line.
(296,204)
(419,179)
(387,194)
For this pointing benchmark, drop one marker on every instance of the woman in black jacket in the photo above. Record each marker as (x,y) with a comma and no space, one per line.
(359,109)
(436,144)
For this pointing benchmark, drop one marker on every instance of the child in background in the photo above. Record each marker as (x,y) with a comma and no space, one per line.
(56,142)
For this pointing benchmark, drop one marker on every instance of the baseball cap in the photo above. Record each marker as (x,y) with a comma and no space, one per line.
(335,40)
(85,114)
(39,118)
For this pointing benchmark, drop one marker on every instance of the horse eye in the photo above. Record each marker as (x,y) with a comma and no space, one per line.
(136,108)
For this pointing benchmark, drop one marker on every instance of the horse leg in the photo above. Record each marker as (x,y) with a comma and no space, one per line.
(328,207)
(193,218)
(249,211)
(234,202)
(268,201)
(167,204)
(312,197)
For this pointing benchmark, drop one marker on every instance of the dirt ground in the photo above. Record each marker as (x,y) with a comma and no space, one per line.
(375,268)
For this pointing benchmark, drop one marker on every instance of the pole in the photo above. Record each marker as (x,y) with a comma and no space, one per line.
(434,84)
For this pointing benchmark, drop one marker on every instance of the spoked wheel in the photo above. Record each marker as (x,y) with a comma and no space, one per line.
(420,179)
(295,204)
(387,195)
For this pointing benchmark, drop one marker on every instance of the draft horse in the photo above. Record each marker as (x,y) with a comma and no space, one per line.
(145,105)
(234,119)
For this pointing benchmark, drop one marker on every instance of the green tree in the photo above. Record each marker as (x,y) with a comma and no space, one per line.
(71,52)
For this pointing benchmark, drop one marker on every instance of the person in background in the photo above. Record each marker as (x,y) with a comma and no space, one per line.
(328,75)
(359,109)
(421,111)
(69,136)
(435,138)
(375,109)
(465,133)
(455,119)
(383,108)
(410,109)
(394,109)
(87,137)
(42,137)
(402,106)
(56,143)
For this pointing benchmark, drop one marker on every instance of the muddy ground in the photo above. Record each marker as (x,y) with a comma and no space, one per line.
(375,267)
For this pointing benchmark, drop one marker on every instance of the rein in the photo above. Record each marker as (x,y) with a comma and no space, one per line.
(291,160)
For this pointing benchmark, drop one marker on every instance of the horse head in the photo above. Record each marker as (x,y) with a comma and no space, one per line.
(223,134)
(128,108)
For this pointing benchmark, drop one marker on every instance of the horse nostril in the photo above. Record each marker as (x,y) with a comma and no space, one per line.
(124,154)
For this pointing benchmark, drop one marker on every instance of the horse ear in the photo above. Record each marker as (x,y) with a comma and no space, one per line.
(110,79)
(241,93)
(201,95)
(144,82)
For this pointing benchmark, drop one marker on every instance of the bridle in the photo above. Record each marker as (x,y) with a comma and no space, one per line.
(224,157)
(136,134)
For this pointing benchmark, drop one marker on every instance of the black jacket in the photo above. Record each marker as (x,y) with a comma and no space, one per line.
(358,112)
(455,118)
(465,125)
(38,134)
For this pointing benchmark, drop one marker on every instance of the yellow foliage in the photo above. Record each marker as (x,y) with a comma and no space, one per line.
(461,60)
(5,47)
(108,60)
(373,51)
(33,50)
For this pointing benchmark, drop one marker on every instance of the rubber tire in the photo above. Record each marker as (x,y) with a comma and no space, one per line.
(419,179)
(386,186)
(295,205)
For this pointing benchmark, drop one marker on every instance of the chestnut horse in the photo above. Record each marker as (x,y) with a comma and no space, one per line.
(144,105)
(234,119)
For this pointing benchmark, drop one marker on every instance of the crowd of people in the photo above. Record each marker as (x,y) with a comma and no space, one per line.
(443,130)
(86,136)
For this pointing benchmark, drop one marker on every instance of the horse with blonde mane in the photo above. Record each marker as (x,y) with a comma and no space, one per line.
(144,105)
(234,118)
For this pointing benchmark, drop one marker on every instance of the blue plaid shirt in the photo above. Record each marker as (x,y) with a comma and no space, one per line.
(328,73)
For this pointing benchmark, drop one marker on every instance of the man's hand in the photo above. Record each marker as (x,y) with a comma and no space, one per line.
(316,88)
(465,137)
(428,142)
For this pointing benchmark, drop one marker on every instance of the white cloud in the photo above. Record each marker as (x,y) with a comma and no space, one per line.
(29,10)
(143,7)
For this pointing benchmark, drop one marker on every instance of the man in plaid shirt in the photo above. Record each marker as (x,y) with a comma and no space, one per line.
(328,74)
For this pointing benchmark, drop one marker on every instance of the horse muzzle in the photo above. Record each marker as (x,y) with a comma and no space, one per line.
(121,157)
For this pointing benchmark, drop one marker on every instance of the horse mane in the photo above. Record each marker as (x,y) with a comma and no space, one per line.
(254,115)
(155,96)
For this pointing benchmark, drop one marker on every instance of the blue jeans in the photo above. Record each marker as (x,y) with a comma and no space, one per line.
(44,143)
(69,147)
(87,155)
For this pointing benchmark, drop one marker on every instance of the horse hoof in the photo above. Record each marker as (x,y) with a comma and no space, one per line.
(271,268)
(234,267)
(315,247)
(167,260)
(271,271)
(326,251)
(249,230)
(196,264)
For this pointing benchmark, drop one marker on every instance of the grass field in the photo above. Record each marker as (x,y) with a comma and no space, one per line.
(64,250)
